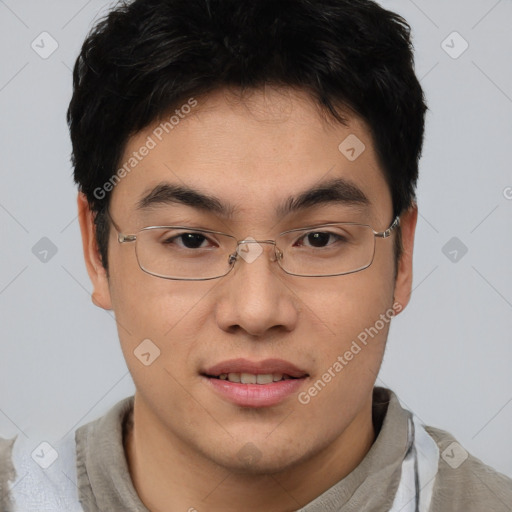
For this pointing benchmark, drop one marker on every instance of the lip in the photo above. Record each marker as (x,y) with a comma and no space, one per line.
(255,395)
(255,367)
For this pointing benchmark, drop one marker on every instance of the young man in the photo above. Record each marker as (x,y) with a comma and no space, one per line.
(247,174)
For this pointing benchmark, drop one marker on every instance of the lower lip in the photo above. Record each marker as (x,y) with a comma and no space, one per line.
(255,395)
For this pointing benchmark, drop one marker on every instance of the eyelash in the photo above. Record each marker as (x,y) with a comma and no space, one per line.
(170,240)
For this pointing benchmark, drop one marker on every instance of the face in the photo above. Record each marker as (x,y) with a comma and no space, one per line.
(253,155)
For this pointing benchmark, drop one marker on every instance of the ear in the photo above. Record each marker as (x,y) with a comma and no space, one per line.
(97,273)
(403,282)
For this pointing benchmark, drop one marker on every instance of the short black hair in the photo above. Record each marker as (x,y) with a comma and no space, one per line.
(145,58)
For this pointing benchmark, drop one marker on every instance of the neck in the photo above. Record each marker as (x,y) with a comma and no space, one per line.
(169,474)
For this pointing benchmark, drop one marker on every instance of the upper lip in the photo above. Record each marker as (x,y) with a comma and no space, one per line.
(266,366)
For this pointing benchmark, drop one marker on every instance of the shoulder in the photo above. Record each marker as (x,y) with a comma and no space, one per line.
(42,475)
(464,482)
(7,473)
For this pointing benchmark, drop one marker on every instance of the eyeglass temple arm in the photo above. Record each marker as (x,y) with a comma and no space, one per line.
(120,237)
(126,238)
(387,232)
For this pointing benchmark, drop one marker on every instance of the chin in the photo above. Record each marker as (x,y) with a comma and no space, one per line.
(252,461)
(263,467)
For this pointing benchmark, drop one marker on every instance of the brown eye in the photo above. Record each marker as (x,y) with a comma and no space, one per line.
(320,239)
(186,240)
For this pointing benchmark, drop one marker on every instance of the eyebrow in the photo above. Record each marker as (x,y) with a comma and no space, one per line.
(169,193)
(335,191)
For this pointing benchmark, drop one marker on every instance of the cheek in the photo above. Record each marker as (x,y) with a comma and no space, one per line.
(160,325)
(352,318)
(146,305)
(151,315)
(353,302)
(168,313)
(349,355)
(356,336)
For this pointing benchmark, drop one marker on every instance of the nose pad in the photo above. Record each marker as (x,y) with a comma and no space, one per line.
(277,254)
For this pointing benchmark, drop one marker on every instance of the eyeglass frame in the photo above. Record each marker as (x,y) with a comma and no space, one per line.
(128,238)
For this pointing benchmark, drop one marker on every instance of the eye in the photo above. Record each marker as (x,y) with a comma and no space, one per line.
(187,240)
(320,239)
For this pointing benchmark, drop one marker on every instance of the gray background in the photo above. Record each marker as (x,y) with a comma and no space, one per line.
(449,354)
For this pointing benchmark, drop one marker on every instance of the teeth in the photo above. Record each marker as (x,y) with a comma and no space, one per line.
(249,378)
(264,379)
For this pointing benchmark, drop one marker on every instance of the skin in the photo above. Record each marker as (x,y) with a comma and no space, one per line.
(184,450)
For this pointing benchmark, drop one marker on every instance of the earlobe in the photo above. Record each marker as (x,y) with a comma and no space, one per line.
(403,282)
(95,269)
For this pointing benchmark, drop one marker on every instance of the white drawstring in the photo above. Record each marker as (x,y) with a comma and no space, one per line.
(419,470)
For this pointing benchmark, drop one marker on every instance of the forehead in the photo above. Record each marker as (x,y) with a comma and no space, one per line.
(254,153)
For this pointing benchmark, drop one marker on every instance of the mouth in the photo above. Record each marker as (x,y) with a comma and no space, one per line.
(252,378)
(255,384)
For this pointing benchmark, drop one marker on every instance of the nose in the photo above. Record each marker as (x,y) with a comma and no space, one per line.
(254,297)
